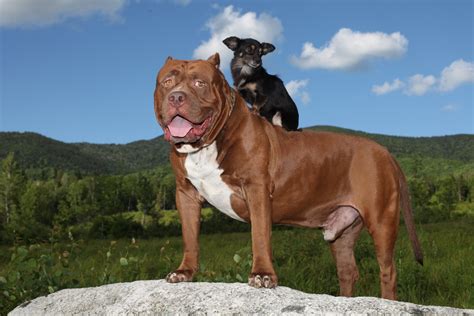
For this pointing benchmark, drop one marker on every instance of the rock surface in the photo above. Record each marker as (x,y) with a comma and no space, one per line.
(158,297)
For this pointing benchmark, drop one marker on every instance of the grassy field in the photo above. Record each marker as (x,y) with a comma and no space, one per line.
(302,260)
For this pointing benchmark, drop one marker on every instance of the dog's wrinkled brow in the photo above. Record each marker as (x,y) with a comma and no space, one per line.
(171,73)
(196,71)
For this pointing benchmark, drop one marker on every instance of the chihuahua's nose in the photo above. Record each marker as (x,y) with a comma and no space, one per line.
(176,99)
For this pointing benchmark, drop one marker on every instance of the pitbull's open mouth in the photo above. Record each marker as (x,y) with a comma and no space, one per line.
(182,130)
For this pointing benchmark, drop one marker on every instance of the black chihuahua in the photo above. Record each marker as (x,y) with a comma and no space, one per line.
(266,93)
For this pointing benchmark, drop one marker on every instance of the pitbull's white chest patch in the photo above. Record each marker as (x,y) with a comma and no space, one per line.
(204,173)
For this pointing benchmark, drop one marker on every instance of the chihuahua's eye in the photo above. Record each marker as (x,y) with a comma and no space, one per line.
(249,50)
(167,83)
(199,83)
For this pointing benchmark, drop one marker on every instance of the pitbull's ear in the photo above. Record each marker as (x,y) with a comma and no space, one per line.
(267,48)
(168,59)
(232,42)
(215,60)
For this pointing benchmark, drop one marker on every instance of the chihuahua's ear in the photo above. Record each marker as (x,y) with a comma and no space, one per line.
(232,42)
(267,48)
(215,60)
(168,59)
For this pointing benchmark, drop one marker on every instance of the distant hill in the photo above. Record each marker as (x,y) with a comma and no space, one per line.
(453,147)
(36,151)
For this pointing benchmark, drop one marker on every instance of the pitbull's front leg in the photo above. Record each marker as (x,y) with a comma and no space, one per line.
(188,203)
(259,204)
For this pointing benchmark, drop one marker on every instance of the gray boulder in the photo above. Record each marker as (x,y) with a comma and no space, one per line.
(159,297)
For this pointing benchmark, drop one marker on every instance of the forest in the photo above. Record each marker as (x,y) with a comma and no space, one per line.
(142,204)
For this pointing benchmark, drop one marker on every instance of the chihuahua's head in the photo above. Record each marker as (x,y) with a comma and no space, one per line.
(247,53)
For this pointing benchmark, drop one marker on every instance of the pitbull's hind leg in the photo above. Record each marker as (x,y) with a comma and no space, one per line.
(384,233)
(342,249)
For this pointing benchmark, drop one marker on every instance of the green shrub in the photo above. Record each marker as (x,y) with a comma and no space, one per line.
(36,271)
(125,227)
(115,227)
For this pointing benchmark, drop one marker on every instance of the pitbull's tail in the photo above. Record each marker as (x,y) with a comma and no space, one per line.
(408,215)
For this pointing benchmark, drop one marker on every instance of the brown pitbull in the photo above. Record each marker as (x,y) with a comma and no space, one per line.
(263,175)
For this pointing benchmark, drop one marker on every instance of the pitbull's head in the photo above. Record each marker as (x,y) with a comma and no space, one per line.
(192,101)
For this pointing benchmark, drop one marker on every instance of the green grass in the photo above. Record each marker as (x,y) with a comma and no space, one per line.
(301,257)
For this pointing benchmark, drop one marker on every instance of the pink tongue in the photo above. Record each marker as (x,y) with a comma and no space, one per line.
(179,127)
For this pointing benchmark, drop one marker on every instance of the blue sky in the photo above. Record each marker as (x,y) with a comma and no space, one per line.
(85,70)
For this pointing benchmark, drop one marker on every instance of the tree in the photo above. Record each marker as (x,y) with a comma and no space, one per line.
(111,196)
(443,201)
(129,187)
(80,203)
(11,186)
(145,196)
(420,196)
(32,221)
(166,192)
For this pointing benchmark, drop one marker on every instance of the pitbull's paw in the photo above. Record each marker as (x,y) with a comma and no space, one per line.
(179,276)
(259,280)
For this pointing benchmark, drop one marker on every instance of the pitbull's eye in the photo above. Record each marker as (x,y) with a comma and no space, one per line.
(167,83)
(199,83)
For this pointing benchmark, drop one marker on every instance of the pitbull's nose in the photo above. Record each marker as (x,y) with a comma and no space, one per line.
(177,98)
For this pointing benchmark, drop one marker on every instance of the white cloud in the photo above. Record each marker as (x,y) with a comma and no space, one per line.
(349,50)
(296,89)
(456,74)
(293,87)
(229,22)
(451,77)
(387,87)
(305,98)
(17,13)
(419,84)
(449,108)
